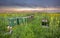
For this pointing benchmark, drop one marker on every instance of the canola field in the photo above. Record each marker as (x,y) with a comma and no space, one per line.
(31,28)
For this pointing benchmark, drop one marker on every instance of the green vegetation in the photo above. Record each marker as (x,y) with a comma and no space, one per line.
(33,28)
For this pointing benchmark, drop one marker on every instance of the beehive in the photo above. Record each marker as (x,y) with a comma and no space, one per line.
(12,21)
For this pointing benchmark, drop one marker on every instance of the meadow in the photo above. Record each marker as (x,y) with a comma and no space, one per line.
(33,28)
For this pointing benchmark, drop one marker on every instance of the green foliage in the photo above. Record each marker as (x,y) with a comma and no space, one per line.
(33,28)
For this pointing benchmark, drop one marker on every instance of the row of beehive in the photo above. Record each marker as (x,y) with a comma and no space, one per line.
(19,20)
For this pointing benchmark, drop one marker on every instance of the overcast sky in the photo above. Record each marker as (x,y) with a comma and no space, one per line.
(30,3)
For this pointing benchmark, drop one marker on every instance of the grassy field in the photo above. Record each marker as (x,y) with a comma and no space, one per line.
(33,28)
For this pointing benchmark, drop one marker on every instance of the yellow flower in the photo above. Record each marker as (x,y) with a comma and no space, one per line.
(51,18)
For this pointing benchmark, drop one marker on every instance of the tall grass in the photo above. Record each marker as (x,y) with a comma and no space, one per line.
(34,28)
